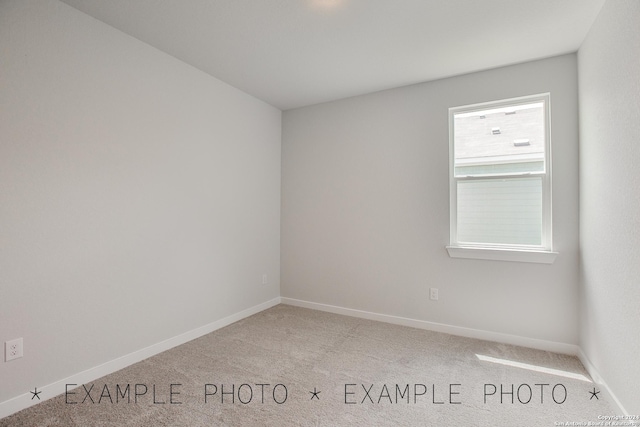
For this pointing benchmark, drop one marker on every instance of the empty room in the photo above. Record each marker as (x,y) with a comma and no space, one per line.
(319,213)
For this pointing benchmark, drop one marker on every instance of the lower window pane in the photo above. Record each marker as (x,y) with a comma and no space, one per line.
(500,211)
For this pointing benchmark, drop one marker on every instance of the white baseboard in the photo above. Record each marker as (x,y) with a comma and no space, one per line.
(24,401)
(553,346)
(597,378)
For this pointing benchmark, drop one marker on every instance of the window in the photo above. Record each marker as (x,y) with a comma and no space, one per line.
(500,180)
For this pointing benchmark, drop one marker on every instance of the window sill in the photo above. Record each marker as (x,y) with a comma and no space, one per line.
(514,255)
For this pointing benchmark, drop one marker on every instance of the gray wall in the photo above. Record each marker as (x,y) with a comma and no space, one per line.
(139,197)
(609,80)
(365,208)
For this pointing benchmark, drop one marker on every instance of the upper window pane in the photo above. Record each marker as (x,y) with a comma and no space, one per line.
(505,140)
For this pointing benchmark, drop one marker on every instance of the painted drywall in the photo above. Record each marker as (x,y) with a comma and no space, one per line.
(139,197)
(365,208)
(609,88)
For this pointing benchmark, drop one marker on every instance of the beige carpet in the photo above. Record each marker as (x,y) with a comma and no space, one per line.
(365,373)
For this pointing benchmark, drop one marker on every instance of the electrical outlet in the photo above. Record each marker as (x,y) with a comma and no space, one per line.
(264,279)
(433,294)
(13,349)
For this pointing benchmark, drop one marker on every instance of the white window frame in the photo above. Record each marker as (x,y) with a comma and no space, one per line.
(504,252)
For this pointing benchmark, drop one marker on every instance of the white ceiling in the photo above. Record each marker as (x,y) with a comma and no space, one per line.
(292,53)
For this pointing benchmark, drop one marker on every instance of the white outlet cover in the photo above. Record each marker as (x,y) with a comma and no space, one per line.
(13,349)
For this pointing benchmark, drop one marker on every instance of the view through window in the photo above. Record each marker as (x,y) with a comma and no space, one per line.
(500,180)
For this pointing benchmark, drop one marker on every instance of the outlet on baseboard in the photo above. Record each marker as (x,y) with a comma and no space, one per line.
(433,294)
(13,349)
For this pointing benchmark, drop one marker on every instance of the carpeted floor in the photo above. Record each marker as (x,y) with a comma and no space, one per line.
(264,370)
